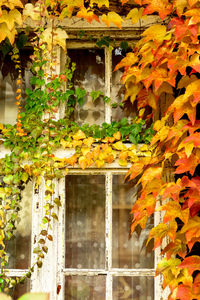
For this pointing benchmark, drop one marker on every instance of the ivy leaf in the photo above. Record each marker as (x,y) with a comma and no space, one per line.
(187,164)
(87,14)
(80,94)
(8,179)
(192,231)
(155,33)
(24,177)
(6,33)
(163,7)
(182,292)
(174,210)
(112,17)
(135,14)
(95,95)
(10,18)
(168,265)
(192,263)
(12,4)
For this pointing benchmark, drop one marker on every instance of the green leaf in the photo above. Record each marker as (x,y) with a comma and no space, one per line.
(80,94)
(37,250)
(95,95)
(124,122)
(8,179)
(106,99)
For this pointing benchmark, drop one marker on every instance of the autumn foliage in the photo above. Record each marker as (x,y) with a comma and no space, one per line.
(164,63)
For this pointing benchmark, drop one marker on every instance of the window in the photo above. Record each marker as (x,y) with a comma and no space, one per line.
(91,257)
(101,262)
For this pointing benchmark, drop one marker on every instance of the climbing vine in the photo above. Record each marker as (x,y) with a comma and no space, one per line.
(164,64)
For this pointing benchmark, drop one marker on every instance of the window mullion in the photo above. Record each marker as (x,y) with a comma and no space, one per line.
(108,76)
(37,205)
(61,242)
(108,235)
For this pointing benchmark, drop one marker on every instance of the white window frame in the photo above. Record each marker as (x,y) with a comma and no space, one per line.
(53,272)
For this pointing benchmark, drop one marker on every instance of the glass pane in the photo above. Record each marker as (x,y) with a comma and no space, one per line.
(19,249)
(128,252)
(8,108)
(85,287)
(133,288)
(90,75)
(85,221)
(20,289)
(8,75)
(118,88)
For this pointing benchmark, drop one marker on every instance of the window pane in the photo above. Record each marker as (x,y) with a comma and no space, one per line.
(133,288)
(90,75)
(8,87)
(128,252)
(85,287)
(85,221)
(8,108)
(118,88)
(19,249)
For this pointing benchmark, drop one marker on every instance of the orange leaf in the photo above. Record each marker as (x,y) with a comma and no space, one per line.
(174,210)
(192,230)
(192,263)
(163,7)
(187,164)
(87,14)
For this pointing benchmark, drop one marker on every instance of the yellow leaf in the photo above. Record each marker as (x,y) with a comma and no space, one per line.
(79,135)
(65,144)
(11,3)
(60,37)
(144,148)
(89,141)
(82,162)
(69,6)
(112,17)
(10,18)
(135,14)
(180,5)
(131,91)
(99,163)
(127,61)
(77,143)
(85,150)
(119,146)
(5,32)
(155,32)
(122,163)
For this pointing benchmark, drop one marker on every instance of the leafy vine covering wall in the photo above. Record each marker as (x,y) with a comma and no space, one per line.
(164,61)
